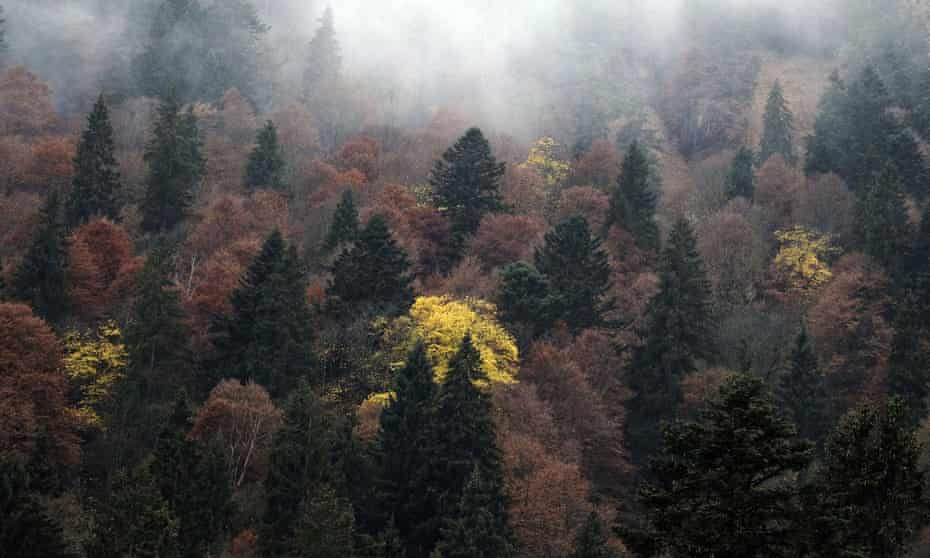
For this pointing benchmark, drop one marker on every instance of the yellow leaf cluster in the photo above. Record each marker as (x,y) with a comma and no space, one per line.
(95,363)
(542,161)
(801,259)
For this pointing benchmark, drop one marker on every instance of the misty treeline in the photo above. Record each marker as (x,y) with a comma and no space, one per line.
(540,278)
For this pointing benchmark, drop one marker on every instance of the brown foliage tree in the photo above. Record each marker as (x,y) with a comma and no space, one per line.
(51,166)
(735,258)
(245,545)
(101,268)
(777,189)
(361,153)
(503,239)
(237,117)
(586,201)
(25,104)
(599,166)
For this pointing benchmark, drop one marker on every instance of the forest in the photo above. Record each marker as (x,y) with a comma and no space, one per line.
(436,279)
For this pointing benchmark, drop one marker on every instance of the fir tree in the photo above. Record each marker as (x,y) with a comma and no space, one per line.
(578,274)
(909,363)
(477,531)
(267,338)
(591,541)
(778,128)
(373,274)
(524,297)
(327,528)
(324,61)
(466,182)
(920,117)
(344,227)
(26,530)
(96,187)
(722,484)
(881,223)
(741,180)
(40,278)
(4,45)
(176,167)
(633,202)
(266,167)
(802,392)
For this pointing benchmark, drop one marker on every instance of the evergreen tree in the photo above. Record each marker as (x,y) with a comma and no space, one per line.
(327,528)
(802,392)
(524,297)
(266,167)
(741,180)
(324,61)
(4,45)
(778,128)
(591,541)
(267,338)
(466,182)
(26,530)
(477,531)
(176,167)
(633,202)
(344,227)
(677,333)
(40,278)
(578,274)
(881,223)
(374,272)
(920,116)
(723,484)
(96,186)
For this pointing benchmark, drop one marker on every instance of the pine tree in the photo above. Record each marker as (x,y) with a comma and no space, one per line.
(96,186)
(633,202)
(591,541)
(466,183)
(176,167)
(778,128)
(578,274)
(723,484)
(373,274)
(26,530)
(802,392)
(344,227)
(40,277)
(881,223)
(267,338)
(477,530)
(324,61)
(741,180)
(677,333)
(266,167)
(327,528)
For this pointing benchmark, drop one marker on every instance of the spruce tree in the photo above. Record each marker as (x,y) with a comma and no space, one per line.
(881,224)
(175,167)
(723,484)
(344,227)
(324,61)
(40,278)
(266,167)
(633,202)
(677,334)
(778,128)
(524,297)
(802,392)
(741,180)
(26,530)
(466,183)
(96,187)
(327,527)
(477,530)
(909,363)
(591,541)
(4,45)
(578,274)
(373,274)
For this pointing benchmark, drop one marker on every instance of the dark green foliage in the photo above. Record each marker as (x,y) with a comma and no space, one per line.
(26,530)
(4,45)
(96,187)
(373,273)
(266,167)
(591,541)
(40,278)
(633,201)
(327,527)
(466,181)
(344,227)
(908,363)
(881,224)
(175,167)
(578,274)
(678,332)
(523,297)
(134,520)
(324,61)
(722,484)
(778,128)
(920,117)
(267,339)
(479,529)
(802,392)
(741,180)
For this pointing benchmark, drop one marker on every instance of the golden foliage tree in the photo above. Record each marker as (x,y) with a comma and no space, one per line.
(801,265)
(95,363)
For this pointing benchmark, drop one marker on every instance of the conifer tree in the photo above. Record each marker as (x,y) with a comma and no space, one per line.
(741,180)
(344,227)
(802,392)
(327,527)
(96,187)
(881,223)
(40,277)
(524,297)
(591,541)
(26,530)
(723,484)
(266,167)
(476,530)
(778,128)
(633,202)
(578,274)
(324,61)
(373,274)
(175,167)
(4,45)
(466,183)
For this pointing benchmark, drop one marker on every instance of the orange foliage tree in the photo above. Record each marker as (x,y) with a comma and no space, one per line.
(25,104)
(101,268)
(599,166)
(503,239)
(51,166)
(587,202)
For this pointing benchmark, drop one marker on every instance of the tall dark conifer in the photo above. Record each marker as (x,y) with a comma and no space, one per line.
(344,227)
(95,190)
(802,392)
(778,128)
(592,540)
(26,531)
(741,180)
(266,167)
(40,278)
(881,224)
(476,529)
(633,202)
(324,61)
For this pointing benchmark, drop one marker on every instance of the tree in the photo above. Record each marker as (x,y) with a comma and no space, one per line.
(373,273)
(26,531)
(741,180)
(266,167)
(40,277)
(881,223)
(96,188)
(466,183)
(101,269)
(633,202)
(96,365)
(344,227)
(591,541)
(267,338)
(476,530)
(523,297)
(908,362)
(778,127)
(802,392)
(324,61)
(722,484)
(175,167)
(578,273)
(327,527)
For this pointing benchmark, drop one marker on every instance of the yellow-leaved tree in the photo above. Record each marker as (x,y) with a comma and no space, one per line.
(543,161)
(95,362)
(801,265)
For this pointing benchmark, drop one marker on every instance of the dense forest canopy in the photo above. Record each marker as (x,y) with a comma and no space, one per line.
(534,278)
